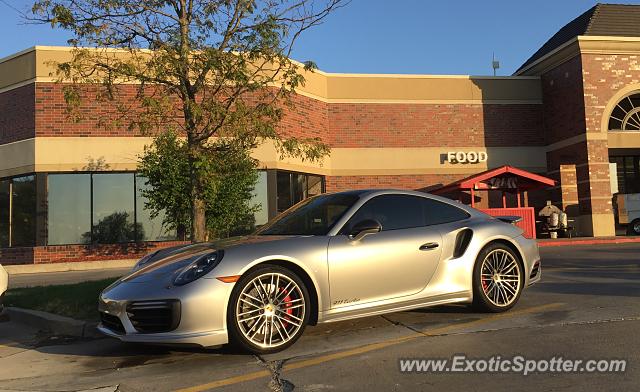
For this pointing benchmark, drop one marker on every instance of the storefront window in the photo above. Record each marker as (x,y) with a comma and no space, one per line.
(151,229)
(113,202)
(23,211)
(295,187)
(283,188)
(113,210)
(69,208)
(261,199)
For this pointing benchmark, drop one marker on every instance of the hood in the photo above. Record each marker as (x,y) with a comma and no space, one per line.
(165,262)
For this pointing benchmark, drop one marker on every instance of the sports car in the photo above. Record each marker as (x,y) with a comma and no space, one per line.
(331,257)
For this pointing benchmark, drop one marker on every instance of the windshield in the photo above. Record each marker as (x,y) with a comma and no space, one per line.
(313,216)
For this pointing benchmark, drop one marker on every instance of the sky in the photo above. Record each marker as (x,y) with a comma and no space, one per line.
(391,36)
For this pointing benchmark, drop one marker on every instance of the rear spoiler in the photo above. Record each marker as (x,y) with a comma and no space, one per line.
(509,219)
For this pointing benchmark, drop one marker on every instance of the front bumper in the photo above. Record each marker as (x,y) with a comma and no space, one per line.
(202,314)
(203,339)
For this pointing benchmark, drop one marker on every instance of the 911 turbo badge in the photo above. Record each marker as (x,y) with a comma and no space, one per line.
(346,301)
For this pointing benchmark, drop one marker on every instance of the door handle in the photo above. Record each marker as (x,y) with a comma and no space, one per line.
(429,246)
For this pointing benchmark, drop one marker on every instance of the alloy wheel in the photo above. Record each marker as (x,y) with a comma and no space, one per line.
(500,277)
(270,310)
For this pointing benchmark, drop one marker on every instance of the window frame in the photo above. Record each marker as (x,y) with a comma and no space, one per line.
(10,209)
(323,181)
(135,209)
(628,113)
(46,196)
(91,218)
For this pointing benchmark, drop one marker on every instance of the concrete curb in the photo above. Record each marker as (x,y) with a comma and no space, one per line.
(63,267)
(588,241)
(53,323)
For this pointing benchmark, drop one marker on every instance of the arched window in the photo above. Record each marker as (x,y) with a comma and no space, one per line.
(626,114)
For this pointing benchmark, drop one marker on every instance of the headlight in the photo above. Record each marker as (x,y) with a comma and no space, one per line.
(200,267)
(144,261)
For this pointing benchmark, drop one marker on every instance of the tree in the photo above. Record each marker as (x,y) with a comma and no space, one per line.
(208,68)
(229,179)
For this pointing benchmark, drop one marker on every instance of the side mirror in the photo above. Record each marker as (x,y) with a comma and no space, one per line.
(364,227)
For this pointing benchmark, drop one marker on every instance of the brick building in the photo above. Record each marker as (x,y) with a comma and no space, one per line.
(571,112)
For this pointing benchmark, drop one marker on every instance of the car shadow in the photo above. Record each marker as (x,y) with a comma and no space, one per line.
(122,355)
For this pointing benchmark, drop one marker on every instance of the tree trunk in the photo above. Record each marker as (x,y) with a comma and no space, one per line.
(198,206)
(198,229)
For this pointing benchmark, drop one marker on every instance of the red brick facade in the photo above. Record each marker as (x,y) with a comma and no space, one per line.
(428,181)
(339,125)
(97,117)
(604,75)
(575,96)
(434,125)
(563,101)
(17,121)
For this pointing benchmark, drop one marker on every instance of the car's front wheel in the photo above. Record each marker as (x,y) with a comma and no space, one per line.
(498,278)
(268,310)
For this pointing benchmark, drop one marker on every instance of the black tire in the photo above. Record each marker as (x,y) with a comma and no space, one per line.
(236,335)
(634,227)
(481,301)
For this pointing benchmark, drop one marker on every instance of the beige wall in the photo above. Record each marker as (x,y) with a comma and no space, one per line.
(17,158)
(18,69)
(623,139)
(38,64)
(121,153)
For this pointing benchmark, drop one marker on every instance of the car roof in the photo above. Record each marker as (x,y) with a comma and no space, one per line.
(369,193)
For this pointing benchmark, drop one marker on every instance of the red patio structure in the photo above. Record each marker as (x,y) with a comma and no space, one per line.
(507,179)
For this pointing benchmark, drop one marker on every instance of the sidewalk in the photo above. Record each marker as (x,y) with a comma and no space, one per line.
(586,241)
(63,267)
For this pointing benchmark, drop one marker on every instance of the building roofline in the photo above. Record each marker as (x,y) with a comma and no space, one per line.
(547,56)
(54,48)
(18,54)
(584,43)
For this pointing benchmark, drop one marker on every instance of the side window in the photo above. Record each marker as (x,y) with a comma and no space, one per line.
(392,211)
(437,212)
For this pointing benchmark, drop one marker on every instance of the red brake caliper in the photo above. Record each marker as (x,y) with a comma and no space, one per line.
(287,306)
(484,283)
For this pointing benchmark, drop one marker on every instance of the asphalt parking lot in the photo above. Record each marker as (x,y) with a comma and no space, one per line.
(586,307)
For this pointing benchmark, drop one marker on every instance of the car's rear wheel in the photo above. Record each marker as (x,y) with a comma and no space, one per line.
(498,278)
(268,311)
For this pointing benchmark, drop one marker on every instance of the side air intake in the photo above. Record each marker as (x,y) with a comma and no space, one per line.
(463,238)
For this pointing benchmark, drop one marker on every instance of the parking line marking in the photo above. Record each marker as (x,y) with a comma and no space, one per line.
(366,348)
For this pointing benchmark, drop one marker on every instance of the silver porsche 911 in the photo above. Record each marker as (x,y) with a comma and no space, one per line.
(331,257)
